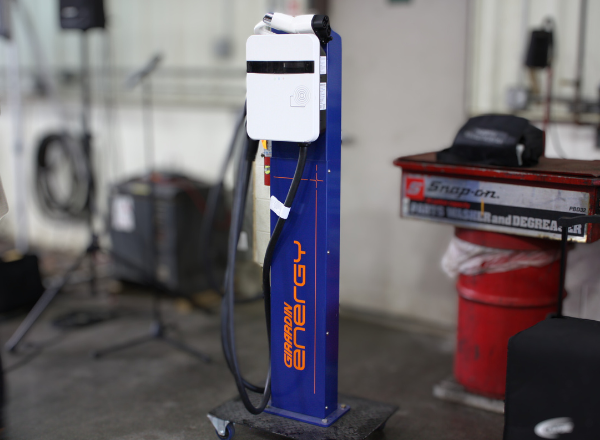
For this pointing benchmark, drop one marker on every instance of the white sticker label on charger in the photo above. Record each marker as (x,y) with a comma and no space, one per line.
(279,208)
(323,66)
(323,96)
(123,215)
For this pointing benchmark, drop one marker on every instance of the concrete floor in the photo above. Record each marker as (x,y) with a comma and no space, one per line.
(154,392)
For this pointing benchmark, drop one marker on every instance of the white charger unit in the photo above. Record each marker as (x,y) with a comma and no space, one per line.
(284,95)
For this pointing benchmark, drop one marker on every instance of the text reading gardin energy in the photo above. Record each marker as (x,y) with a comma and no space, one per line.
(294,354)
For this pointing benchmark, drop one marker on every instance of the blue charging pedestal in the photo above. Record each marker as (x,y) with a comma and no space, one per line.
(305,296)
(305,270)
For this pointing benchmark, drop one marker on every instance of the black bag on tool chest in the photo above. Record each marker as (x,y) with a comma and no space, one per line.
(502,140)
(553,375)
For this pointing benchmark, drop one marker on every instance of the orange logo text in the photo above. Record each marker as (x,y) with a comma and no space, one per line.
(294,318)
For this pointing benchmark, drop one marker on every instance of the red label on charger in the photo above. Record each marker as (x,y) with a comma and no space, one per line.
(267,171)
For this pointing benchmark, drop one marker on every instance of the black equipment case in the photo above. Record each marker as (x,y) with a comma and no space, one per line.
(553,375)
(169,248)
(20,283)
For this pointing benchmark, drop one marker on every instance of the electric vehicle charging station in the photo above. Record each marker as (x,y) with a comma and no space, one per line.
(294,93)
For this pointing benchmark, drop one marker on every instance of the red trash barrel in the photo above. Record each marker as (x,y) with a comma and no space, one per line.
(493,307)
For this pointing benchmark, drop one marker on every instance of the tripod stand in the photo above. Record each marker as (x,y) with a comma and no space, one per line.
(93,246)
(158,329)
(158,332)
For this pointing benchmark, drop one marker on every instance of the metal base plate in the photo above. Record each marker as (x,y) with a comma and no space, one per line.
(330,420)
(364,417)
(452,391)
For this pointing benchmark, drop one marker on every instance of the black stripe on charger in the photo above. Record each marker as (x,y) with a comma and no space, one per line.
(280,67)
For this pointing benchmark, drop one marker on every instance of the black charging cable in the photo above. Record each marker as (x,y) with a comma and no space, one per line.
(227,311)
(289,200)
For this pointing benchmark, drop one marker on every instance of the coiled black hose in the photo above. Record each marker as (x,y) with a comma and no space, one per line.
(61,159)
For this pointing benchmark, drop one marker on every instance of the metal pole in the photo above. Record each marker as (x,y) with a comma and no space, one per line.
(525,11)
(580,59)
(598,127)
(86,100)
(563,270)
(148,124)
(86,109)
(548,103)
(19,174)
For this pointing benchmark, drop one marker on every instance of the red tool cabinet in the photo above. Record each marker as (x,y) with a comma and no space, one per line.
(504,208)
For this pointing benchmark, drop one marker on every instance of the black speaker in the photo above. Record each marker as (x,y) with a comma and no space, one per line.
(5,18)
(539,52)
(81,14)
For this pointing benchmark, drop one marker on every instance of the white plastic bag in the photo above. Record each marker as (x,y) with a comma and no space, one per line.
(471,259)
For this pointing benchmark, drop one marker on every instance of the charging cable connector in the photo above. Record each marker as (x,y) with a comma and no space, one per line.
(301,24)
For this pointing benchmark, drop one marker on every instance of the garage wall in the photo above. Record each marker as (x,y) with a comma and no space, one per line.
(197,92)
(501,34)
(403,93)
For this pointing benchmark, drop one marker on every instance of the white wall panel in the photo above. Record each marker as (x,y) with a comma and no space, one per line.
(403,91)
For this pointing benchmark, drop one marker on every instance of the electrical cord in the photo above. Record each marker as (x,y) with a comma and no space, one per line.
(241,188)
(227,312)
(75,204)
(212,204)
